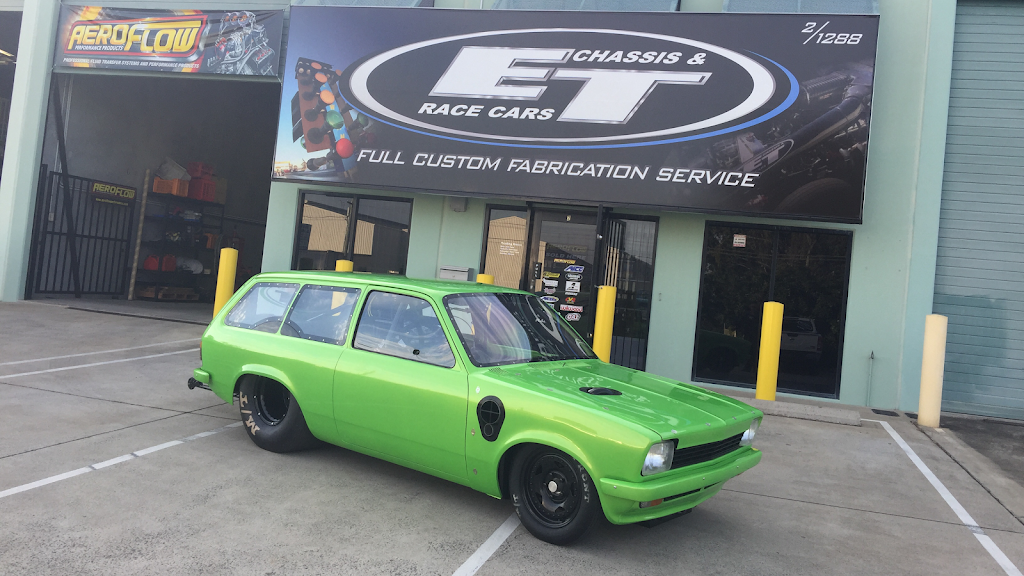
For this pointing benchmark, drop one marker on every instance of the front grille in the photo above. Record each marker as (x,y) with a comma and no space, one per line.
(705,452)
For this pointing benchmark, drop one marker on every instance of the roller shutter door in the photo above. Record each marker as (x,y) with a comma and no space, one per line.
(979,282)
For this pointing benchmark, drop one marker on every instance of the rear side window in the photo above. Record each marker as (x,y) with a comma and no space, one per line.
(321,313)
(403,326)
(263,306)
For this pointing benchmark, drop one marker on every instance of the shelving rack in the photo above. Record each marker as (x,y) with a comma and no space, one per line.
(162,218)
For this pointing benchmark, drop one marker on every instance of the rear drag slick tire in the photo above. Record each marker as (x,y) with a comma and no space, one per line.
(271,416)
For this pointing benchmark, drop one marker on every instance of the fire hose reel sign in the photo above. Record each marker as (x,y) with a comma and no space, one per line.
(719,113)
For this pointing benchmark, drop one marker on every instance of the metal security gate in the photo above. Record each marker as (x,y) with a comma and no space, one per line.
(99,232)
(979,281)
(628,265)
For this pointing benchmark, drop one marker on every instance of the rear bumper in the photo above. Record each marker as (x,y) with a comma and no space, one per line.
(201,376)
(682,489)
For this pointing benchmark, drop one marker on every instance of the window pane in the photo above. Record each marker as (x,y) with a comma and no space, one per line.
(322,313)
(382,236)
(807,271)
(501,329)
(505,251)
(405,327)
(262,307)
(734,285)
(323,234)
(810,281)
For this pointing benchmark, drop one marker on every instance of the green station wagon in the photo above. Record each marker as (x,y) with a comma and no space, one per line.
(477,384)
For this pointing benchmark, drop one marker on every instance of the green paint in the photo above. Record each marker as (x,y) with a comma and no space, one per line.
(423,416)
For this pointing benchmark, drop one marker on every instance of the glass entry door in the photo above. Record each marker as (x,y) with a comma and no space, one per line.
(561,266)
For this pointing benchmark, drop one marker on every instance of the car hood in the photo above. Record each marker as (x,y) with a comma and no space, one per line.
(669,408)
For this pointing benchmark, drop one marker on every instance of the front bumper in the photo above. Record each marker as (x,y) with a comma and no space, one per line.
(684,488)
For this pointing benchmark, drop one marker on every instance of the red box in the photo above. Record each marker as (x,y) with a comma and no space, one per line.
(204,189)
(199,170)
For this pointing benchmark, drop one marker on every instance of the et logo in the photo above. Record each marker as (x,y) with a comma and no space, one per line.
(606,95)
(566,87)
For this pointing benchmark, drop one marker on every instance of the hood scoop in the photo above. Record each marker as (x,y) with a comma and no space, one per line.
(600,391)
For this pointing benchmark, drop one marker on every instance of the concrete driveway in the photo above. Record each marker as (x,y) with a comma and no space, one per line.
(92,482)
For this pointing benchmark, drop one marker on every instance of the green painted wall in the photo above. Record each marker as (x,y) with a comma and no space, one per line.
(25,143)
(893,252)
(893,262)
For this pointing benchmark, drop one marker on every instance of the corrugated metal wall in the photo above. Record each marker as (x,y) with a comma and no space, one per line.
(979,282)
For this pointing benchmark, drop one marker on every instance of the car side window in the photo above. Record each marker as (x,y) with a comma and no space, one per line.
(321,313)
(403,326)
(263,307)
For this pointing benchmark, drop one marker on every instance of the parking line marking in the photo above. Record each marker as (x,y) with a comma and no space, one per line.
(484,552)
(33,373)
(953,503)
(97,352)
(44,482)
(156,448)
(113,461)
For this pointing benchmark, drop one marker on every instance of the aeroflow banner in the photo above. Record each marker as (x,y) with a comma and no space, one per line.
(239,42)
(720,113)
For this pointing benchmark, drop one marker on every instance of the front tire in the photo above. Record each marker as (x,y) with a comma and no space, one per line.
(271,416)
(554,495)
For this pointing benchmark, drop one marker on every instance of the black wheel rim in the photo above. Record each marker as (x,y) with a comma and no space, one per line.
(553,489)
(272,401)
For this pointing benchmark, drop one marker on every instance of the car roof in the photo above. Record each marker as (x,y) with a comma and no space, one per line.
(433,287)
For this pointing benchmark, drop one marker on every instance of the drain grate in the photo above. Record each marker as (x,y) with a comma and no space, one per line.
(885,412)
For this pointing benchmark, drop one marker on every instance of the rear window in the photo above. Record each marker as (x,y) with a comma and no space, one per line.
(321,313)
(263,307)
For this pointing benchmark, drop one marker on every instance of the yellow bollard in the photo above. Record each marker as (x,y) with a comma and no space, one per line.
(225,278)
(485,279)
(932,365)
(604,317)
(771,345)
(343,266)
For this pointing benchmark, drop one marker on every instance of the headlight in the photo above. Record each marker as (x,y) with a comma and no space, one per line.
(659,458)
(748,436)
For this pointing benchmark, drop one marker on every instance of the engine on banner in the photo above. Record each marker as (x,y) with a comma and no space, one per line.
(241,47)
(808,156)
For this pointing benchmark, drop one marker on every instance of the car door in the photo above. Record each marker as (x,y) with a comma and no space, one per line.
(399,391)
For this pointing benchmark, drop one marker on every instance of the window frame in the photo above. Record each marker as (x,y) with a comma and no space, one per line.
(776,229)
(350,234)
(368,293)
(348,331)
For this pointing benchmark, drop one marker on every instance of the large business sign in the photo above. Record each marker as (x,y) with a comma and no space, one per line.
(724,113)
(240,42)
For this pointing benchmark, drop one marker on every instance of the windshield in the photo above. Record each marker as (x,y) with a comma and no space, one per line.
(499,329)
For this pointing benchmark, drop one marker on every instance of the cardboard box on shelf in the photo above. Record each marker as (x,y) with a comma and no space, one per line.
(220,194)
